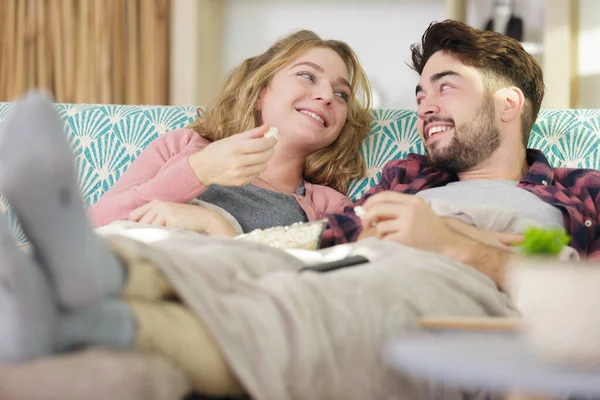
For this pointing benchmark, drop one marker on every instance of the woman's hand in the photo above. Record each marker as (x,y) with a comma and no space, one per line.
(184,216)
(234,161)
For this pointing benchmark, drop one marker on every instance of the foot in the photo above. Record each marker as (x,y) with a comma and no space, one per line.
(27,307)
(37,176)
(109,323)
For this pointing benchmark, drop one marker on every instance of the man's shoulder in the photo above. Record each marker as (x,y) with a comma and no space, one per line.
(578,178)
(567,176)
(566,172)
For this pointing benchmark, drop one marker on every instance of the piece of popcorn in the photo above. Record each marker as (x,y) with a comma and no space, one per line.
(359,211)
(272,132)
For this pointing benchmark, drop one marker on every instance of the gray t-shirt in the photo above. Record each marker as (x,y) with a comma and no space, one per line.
(497,193)
(256,208)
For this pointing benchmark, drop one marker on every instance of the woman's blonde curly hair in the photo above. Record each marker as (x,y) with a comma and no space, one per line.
(233,109)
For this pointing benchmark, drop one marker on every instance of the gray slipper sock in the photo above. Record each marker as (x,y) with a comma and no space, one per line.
(27,307)
(109,323)
(37,175)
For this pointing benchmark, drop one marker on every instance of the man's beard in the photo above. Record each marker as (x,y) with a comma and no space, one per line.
(473,142)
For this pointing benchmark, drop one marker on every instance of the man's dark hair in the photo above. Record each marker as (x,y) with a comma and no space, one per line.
(501,60)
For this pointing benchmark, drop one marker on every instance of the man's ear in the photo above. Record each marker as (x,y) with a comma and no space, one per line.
(513,101)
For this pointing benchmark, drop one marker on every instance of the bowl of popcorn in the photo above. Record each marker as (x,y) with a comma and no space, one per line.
(301,235)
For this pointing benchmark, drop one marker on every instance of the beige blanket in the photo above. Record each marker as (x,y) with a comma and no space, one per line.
(94,375)
(291,335)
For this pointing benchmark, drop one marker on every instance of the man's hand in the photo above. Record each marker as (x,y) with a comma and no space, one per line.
(184,216)
(407,219)
(495,239)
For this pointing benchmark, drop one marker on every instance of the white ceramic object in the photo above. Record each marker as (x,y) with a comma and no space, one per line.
(560,305)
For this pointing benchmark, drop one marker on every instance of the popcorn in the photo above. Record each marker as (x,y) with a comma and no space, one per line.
(272,132)
(359,211)
(301,235)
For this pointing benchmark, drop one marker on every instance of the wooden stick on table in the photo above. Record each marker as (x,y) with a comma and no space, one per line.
(520,396)
(471,324)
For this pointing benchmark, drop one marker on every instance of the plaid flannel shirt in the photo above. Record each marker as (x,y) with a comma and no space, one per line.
(576,193)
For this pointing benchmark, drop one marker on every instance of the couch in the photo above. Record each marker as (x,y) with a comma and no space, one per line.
(107,138)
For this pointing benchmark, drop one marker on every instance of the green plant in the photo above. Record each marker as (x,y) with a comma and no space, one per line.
(542,241)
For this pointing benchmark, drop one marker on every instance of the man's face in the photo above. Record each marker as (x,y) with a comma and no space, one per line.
(456,114)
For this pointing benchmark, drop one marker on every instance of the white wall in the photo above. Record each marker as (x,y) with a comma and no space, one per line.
(589,55)
(380,31)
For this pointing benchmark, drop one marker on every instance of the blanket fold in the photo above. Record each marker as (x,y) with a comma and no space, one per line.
(289,336)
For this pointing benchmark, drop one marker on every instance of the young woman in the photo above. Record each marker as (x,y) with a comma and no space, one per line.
(313,91)
(76,292)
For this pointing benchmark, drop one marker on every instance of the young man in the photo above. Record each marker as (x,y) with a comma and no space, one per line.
(478,97)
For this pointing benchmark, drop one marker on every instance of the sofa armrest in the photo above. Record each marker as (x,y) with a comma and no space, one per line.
(94,375)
